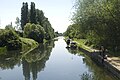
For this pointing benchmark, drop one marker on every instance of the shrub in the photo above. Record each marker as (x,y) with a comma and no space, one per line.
(10,39)
(35,32)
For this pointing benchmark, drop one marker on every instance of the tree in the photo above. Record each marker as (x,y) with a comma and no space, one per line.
(10,39)
(32,13)
(24,15)
(98,22)
(34,31)
(44,22)
(9,27)
(36,16)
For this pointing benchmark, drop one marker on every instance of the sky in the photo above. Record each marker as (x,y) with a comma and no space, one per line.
(58,12)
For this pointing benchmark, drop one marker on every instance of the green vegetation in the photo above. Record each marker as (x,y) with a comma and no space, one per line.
(24,15)
(73,31)
(2,50)
(28,44)
(98,22)
(82,44)
(35,32)
(36,17)
(87,76)
(58,34)
(11,41)
(34,25)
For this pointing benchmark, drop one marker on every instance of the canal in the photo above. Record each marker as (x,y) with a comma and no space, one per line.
(50,61)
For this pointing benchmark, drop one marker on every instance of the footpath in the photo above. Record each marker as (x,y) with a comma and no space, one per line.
(112,64)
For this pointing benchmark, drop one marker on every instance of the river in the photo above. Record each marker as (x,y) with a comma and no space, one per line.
(50,61)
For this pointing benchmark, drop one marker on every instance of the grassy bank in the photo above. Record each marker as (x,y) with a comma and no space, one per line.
(28,45)
(81,43)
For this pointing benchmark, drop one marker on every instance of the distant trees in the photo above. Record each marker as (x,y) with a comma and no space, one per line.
(17,22)
(44,22)
(98,22)
(73,31)
(36,16)
(9,27)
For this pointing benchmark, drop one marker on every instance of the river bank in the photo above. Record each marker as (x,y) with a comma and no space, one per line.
(112,64)
(27,46)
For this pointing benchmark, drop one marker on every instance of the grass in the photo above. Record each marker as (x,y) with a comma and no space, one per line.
(28,45)
(81,44)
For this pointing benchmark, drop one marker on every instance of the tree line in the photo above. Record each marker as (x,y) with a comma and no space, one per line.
(35,24)
(98,21)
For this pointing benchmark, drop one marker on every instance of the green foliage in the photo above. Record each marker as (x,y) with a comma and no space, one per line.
(58,34)
(28,45)
(24,15)
(3,50)
(73,31)
(9,27)
(10,39)
(87,76)
(32,13)
(36,16)
(35,32)
(82,44)
(43,21)
(98,21)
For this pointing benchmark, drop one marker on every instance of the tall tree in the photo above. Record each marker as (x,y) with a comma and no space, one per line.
(33,13)
(24,15)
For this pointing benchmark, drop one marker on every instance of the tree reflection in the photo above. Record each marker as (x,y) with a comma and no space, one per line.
(10,59)
(72,51)
(98,73)
(34,62)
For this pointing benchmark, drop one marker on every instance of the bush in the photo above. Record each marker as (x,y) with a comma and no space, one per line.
(35,32)
(14,45)
(10,39)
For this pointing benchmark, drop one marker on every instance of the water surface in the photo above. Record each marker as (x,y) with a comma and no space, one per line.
(50,61)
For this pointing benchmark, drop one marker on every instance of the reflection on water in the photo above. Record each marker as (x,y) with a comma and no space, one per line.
(9,60)
(97,71)
(72,51)
(35,61)
(46,63)
(32,62)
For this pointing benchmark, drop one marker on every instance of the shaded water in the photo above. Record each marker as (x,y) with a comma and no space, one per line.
(50,61)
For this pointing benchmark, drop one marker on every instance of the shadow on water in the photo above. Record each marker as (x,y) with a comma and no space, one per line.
(32,63)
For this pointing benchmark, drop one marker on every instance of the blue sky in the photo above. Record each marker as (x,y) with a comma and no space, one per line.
(57,11)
